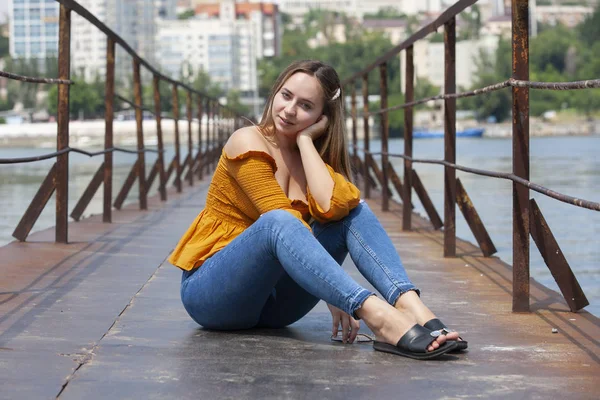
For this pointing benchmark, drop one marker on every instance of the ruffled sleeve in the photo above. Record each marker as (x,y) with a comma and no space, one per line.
(344,198)
(254,171)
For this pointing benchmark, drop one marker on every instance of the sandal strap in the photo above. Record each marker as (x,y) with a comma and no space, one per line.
(416,339)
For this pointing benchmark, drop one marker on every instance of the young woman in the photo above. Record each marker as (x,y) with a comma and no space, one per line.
(281,216)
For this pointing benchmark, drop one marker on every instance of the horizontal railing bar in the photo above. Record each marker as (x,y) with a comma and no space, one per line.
(424,31)
(162,116)
(23,78)
(588,84)
(75,150)
(591,205)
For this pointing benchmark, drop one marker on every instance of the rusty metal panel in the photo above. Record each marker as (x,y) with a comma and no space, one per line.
(434,217)
(361,168)
(141,163)
(472,217)
(36,206)
(109,91)
(371,163)
(520,152)
(450,138)
(409,95)
(129,181)
(365,93)
(89,192)
(188,103)
(170,169)
(61,183)
(396,181)
(152,175)
(555,259)
(383,93)
(162,189)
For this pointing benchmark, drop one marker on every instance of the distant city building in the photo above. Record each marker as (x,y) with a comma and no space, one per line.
(165,9)
(500,25)
(133,20)
(569,16)
(33,32)
(428,59)
(225,39)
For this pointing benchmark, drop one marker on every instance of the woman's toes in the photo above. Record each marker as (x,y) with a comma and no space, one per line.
(452,336)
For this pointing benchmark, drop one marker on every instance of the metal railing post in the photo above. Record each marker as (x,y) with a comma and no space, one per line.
(139,119)
(200,175)
(450,138)
(175,97)
(62,137)
(520,153)
(408,137)
(365,93)
(191,159)
(109,100)
(385,204)
(162,186)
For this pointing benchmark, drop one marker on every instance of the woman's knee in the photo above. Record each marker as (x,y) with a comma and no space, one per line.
(279,219)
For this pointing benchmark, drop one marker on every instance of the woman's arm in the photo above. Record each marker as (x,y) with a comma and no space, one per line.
(318,179)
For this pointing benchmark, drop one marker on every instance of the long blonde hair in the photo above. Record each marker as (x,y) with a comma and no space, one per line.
(332,145)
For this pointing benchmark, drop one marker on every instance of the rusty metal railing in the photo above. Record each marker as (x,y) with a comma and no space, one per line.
(218,118)
(527,217)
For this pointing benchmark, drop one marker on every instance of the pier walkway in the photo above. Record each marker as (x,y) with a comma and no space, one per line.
(101,318)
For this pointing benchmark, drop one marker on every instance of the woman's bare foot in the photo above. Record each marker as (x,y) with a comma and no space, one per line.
(390,324)
(411,303)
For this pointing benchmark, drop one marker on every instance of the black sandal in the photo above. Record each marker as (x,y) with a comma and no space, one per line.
(414,343)
(437,325)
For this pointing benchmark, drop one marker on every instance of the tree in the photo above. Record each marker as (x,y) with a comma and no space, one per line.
(589,29)
(491,70)
(23,92)
(186,14)
(472,20)
(85,99)
(386,13)
(3,45)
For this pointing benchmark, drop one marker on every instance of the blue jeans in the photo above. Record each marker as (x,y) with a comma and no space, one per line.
(276,271)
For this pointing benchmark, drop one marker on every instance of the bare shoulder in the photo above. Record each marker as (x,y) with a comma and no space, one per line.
(245,139)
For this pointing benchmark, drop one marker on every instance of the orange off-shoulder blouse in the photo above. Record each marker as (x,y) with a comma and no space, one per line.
(243,188)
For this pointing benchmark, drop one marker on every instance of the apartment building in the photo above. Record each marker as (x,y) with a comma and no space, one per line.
(225,39)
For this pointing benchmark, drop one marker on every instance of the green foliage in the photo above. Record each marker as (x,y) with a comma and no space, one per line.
(186,14)
(491,70)
(550,47)
(233,101)
(3,46)
(472,23)
(386,13)
(85,99)
(2,121)
(22,92)
(7,104)
(589,29)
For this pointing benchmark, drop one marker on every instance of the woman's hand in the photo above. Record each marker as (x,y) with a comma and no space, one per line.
(350,326)
(315,130)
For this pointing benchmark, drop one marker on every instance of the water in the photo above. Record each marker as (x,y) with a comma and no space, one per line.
(568,165)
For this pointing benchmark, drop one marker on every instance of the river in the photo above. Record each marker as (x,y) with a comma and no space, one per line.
(569,165)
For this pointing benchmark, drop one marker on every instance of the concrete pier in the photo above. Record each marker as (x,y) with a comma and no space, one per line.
(101,318)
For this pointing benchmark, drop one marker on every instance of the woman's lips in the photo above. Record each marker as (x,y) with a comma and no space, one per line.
(285,121)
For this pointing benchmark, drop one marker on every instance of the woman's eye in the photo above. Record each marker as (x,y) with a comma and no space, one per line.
(305,106)
(285,95)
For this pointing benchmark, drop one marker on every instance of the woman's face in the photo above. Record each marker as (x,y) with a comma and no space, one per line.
(298,104)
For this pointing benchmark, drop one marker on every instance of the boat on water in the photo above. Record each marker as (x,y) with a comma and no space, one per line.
(470,132)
